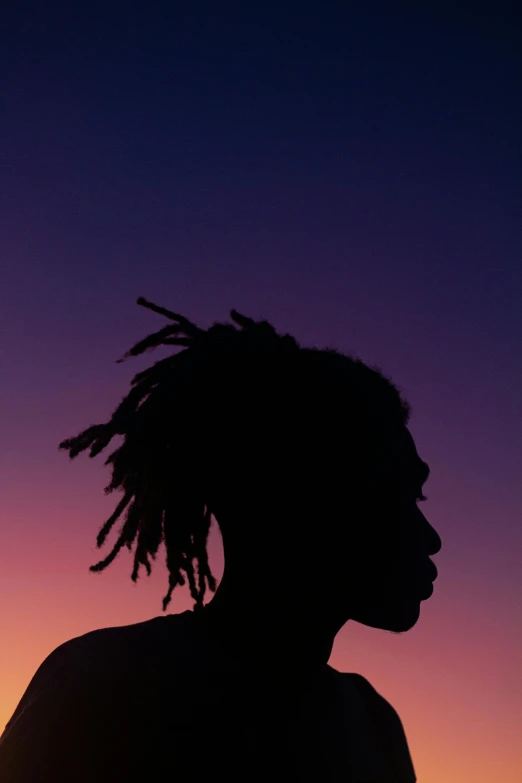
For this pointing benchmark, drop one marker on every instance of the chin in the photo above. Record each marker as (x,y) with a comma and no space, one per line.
(397,619)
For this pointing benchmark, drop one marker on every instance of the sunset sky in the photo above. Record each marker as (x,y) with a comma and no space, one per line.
(352,177)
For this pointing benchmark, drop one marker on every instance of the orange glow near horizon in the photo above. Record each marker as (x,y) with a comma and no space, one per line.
(447,678)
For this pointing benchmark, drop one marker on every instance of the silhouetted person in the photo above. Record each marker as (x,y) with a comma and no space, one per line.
(305,459)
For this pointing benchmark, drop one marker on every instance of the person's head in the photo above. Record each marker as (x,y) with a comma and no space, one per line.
(302,455)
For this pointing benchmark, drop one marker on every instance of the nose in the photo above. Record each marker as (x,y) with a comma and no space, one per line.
(434,540)
(431,540)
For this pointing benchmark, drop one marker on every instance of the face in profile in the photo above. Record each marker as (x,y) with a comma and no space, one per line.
(372,565)
(386,572)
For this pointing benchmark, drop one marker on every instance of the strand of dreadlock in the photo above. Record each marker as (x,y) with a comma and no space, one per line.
(179,555)
(99,436)
(107,527)
(201,537)
(190,328)
(150,377)
(82,441)
(183,325)
(150,530)
(151,341)
(126,536)
(190,556)
(242,320)
(149,538)
(120,543)
(174,553)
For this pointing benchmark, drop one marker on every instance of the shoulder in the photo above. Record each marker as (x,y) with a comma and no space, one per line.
(134,639)
(94,656)
(88,651)
(377,701)
(388,724)
(87,700)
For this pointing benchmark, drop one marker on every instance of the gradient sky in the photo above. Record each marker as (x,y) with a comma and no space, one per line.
(351,177)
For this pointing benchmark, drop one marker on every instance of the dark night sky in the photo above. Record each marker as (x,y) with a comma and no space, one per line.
(352,175)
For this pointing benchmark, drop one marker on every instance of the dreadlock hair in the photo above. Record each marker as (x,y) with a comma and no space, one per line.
(158,466)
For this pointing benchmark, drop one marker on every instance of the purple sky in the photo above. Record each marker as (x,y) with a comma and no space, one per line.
(351,176)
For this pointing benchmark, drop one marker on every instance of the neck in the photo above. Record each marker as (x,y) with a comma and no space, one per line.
(261,625)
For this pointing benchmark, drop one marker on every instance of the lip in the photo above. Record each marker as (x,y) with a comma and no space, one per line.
(427,592)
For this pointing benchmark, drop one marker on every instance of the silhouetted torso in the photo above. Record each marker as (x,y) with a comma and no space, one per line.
(158,701)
